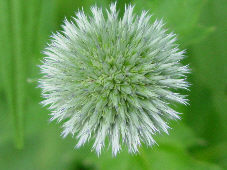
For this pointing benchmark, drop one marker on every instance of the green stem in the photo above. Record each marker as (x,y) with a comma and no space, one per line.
(17,95)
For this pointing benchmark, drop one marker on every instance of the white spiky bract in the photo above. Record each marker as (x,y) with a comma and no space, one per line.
(111,77)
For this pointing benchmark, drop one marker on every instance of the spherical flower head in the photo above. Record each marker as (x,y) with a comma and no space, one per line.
(111,79)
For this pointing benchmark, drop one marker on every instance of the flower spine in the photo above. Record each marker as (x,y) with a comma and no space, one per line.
(111,79)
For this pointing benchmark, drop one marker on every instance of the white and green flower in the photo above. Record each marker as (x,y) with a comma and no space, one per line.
(111,79)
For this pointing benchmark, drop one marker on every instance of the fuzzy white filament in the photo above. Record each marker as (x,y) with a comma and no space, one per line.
(112,79)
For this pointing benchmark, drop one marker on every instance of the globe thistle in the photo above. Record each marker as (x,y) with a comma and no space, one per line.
(111,79)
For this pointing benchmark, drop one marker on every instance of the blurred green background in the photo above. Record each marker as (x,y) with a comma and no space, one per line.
(29,142)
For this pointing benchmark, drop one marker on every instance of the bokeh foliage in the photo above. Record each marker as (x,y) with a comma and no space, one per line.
(29,141)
